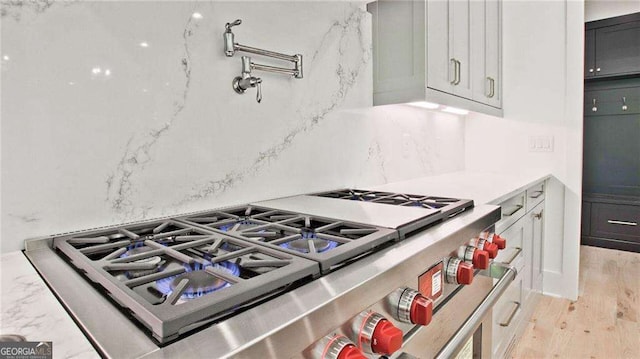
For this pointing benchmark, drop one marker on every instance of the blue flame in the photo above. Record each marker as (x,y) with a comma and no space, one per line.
(131,247)
(242,222)
(164,285)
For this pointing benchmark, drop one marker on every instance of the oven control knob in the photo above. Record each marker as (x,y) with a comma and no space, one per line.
(337,346)
(485,245)
(495,239)
(491,248)
(351,352)
(411,306)
(458,271)
(375,334)
(475,256)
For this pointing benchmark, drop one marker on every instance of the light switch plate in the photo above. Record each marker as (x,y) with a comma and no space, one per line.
(540,143)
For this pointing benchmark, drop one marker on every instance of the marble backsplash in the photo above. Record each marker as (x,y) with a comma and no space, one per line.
(120,111)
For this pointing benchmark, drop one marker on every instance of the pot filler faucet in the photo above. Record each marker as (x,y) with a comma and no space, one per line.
(246,80)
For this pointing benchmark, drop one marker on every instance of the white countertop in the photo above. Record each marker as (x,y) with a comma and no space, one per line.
(29,309)
(482,188)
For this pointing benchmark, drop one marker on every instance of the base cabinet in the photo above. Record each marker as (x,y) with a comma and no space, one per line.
(522,225)
(611,221)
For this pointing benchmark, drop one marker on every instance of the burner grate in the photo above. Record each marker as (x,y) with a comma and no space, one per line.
(447,206)
(174,277)
(328,241)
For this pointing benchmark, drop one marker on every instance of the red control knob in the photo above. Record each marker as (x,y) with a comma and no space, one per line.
(458,271)
(491,248)
(386,338)
(336,346)
(421,310)
(495,239)
(411,306)
(499,241)
(480,259)
(464,274)
(374,334)
(351,352)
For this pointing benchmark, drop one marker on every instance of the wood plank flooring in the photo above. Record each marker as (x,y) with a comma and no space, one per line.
(603,323)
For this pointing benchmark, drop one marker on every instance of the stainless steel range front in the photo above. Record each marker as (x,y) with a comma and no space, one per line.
(343,274)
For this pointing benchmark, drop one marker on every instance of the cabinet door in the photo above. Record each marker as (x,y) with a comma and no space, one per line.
(486,50)
(618,49)
(537,215)
(398,47)
(440,66)
(449,47)
(460,44)
(589,53)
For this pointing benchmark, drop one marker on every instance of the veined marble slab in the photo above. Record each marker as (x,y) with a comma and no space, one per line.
(119,111)
(30,309)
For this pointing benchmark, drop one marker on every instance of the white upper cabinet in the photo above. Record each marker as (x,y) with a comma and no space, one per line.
(447,52)
(486,17)
(449,47)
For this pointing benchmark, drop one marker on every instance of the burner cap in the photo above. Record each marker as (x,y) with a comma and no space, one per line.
(303,245)
(200,283)
(137,249)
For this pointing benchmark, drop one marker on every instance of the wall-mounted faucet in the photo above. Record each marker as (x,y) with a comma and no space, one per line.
(245,80)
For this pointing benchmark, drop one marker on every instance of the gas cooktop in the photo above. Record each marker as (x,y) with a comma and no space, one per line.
(175,275)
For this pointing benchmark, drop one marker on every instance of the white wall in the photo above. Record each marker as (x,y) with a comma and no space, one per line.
(542,70)
(162,132)
(602,9)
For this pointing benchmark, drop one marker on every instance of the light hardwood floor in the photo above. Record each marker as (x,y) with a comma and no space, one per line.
(603,323)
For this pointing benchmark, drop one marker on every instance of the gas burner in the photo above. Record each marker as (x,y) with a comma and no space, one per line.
(239,225)
(138,248)
(200,281)
(310,243)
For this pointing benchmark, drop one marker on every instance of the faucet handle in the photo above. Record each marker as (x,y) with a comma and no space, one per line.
(229,25)
(259,88)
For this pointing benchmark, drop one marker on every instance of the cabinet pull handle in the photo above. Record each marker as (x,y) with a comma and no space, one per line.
(455,71)
(623,223)
(539,193)
(537,215)
(513,314)
(518,207)
(624,104)
(598,69)
(493,87)
(516,253)
(458,77)
(594,108)
(591,70)
(492,90)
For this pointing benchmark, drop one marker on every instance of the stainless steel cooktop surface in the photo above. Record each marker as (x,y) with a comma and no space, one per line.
(355,211)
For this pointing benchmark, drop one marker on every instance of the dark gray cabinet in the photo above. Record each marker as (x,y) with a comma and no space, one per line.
(611,155)
(612,47)
(613,221)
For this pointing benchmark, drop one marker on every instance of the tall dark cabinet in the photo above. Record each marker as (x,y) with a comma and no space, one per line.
(611,162)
